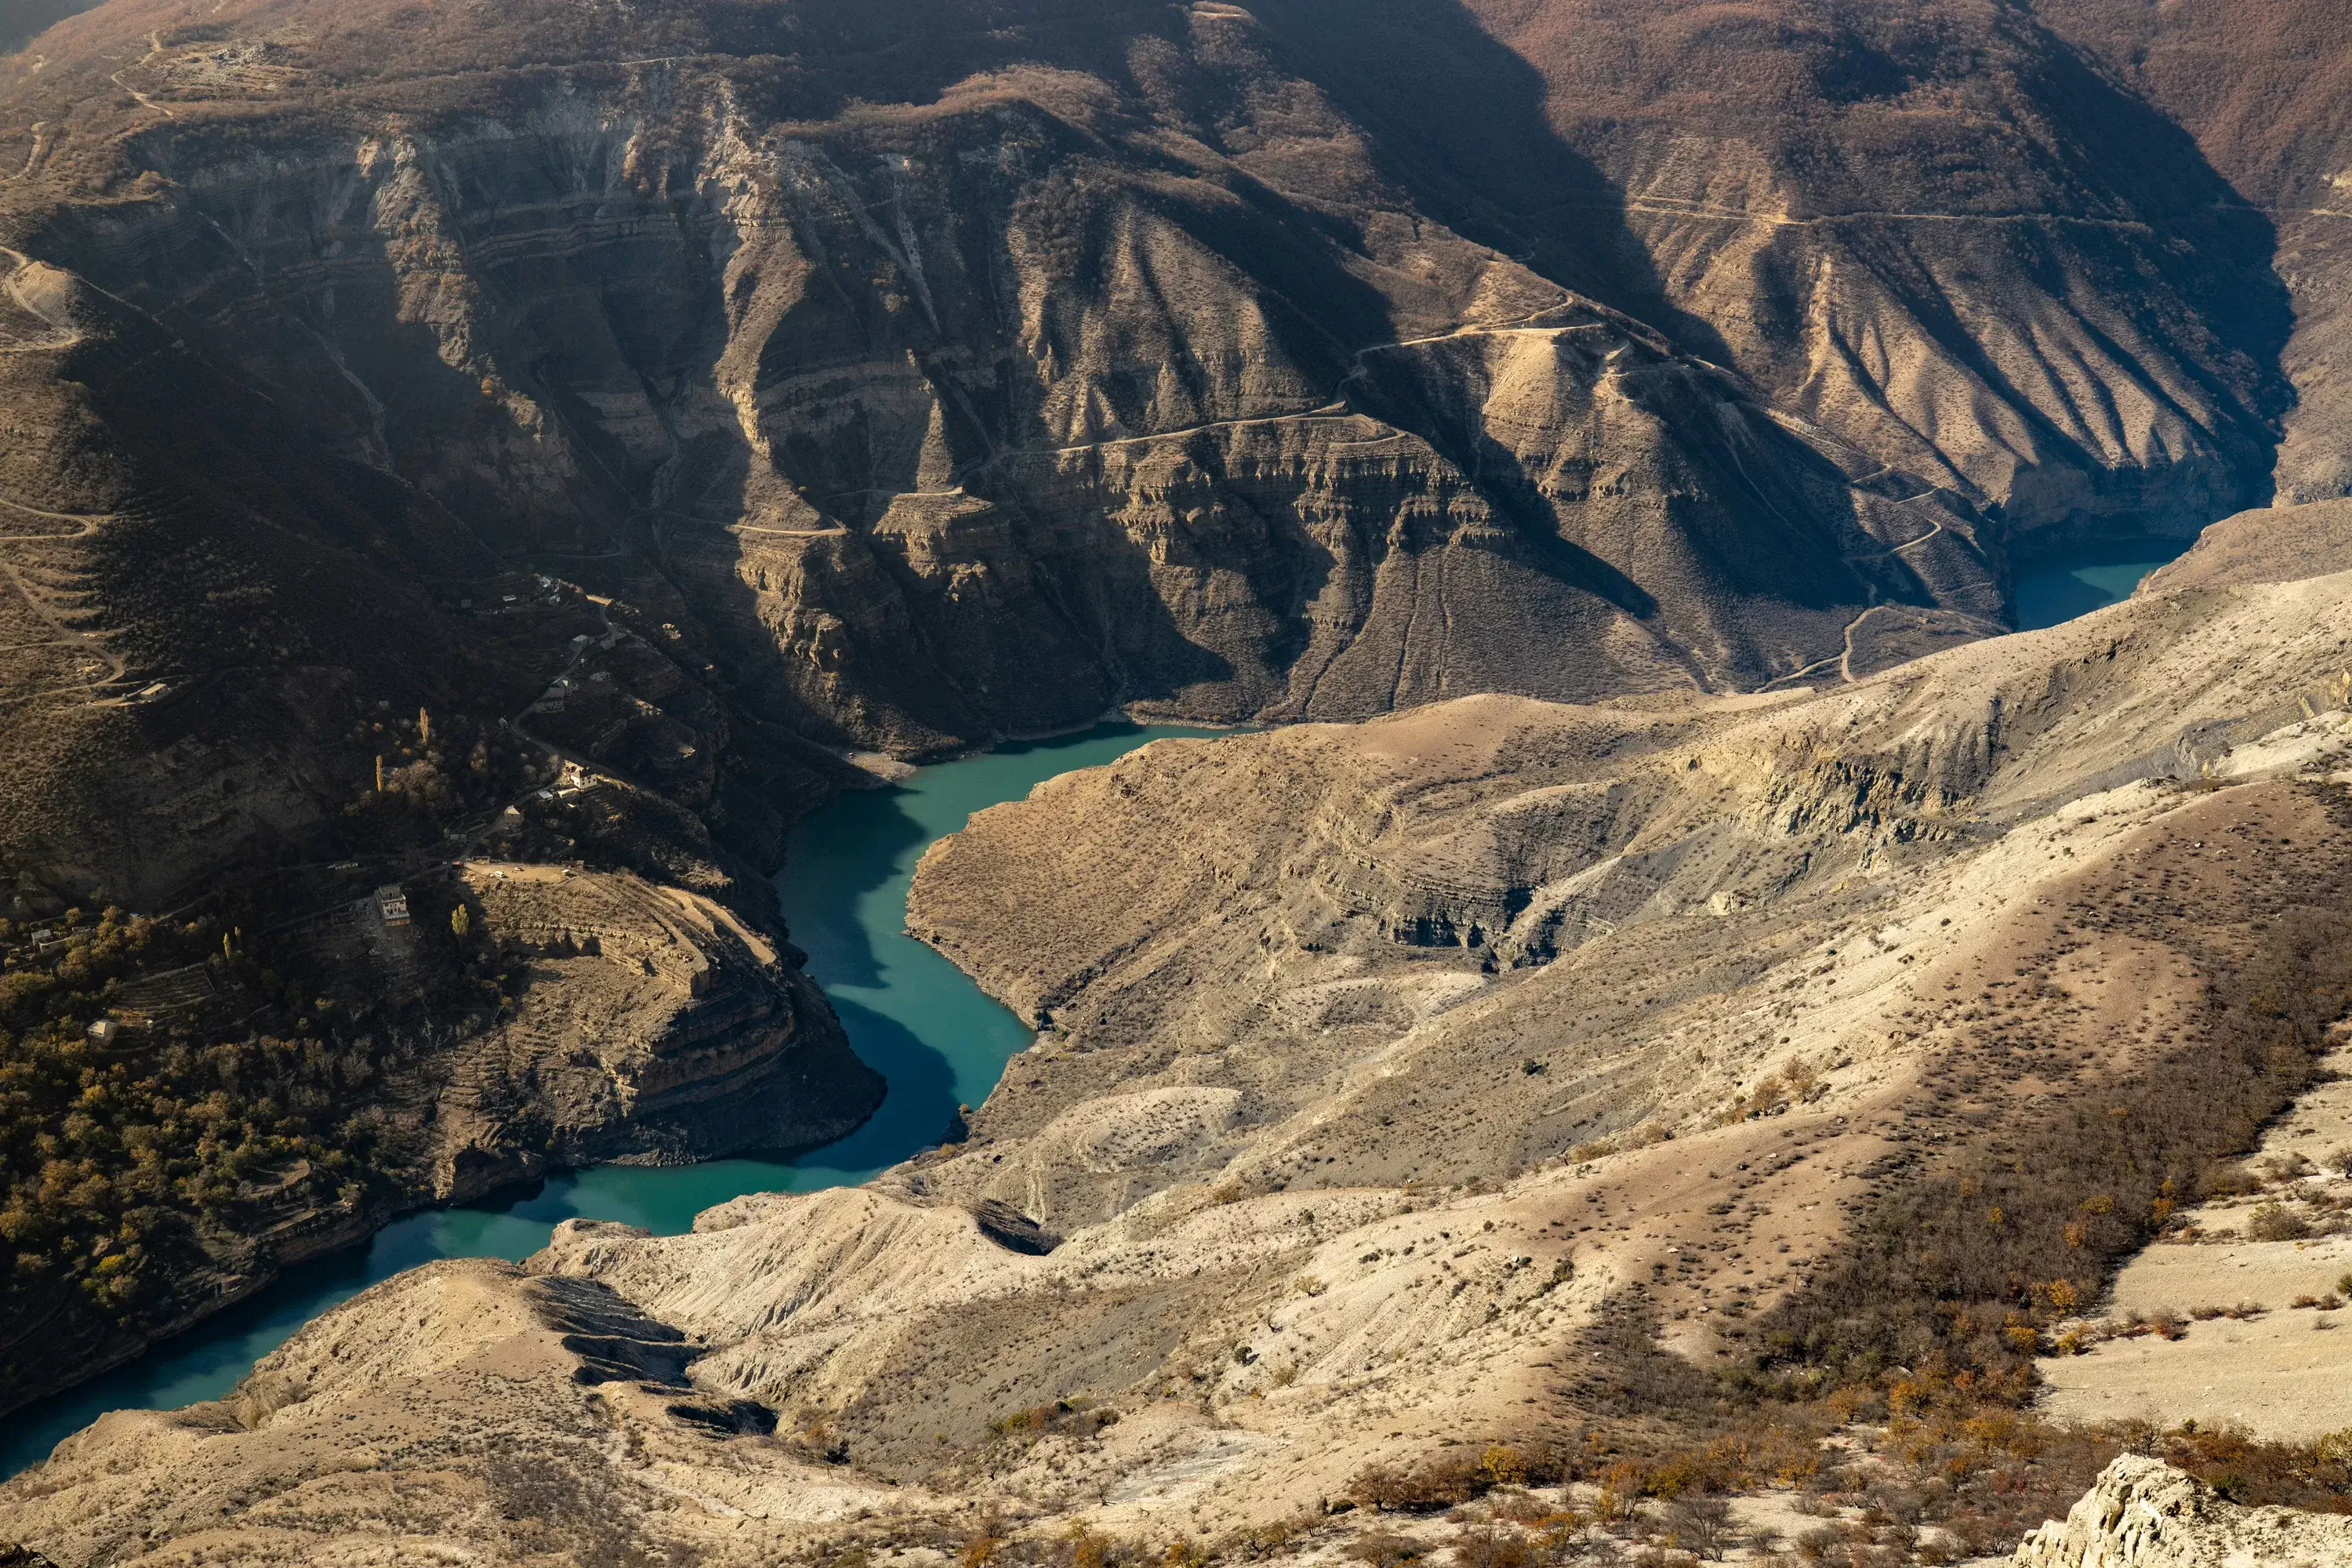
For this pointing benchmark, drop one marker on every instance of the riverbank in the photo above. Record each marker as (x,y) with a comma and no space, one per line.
(908,1013)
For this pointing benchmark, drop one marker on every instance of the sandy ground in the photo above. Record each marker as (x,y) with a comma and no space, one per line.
(2286,1373)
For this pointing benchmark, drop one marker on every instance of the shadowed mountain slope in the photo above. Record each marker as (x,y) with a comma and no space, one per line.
(2263,90)
(1936,229)
(966,369)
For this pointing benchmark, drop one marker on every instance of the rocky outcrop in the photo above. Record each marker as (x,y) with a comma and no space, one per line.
(2143,1513)
(1013,1230)
(656,1026)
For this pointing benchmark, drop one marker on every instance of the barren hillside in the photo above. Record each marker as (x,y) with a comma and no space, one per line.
(1599,1081)
(472,473)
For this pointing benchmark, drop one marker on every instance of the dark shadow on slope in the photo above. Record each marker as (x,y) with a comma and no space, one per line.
(2226,247)
(1020,602)
(1496,473)
(1464,121)
(1457,119)
(22,21)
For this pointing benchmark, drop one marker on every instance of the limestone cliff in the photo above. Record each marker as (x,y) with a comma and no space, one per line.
(2144,1514)
(2259,90)
(1191,358)
(927,478)
(1909,224)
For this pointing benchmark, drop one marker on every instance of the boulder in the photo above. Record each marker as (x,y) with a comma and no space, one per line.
(2143,1513)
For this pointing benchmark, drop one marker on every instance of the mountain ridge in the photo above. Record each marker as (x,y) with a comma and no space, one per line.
(665,403)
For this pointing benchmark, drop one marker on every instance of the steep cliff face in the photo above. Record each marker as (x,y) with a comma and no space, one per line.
(1180,357)
(963,424)
(964,370)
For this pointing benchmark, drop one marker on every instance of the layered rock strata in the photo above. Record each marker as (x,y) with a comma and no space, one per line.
(1199,359)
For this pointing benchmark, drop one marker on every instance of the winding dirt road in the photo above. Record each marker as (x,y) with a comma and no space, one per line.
(42,602)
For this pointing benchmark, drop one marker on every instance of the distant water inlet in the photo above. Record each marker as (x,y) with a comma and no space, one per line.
(2056,588)
(911,1014)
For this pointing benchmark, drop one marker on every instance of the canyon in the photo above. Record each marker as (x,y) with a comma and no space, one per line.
(1660,962)
(1791,963)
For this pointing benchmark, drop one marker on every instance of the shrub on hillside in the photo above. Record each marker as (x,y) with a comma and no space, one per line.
(2276,1222)
(1454,1477)
(1944,1267)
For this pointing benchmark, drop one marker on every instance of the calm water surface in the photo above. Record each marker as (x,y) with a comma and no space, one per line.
(911,1013)
(2059,587)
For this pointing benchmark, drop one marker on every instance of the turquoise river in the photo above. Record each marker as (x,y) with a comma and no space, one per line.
(2057,588)
(911,1013)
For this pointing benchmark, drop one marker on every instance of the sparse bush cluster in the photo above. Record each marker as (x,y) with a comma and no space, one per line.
(1794,1082)
(1457,1476)
(2296,1200)
(996,1543)
(1959,1270)
(556,1505)
(1077,1418)
(1926,1477)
